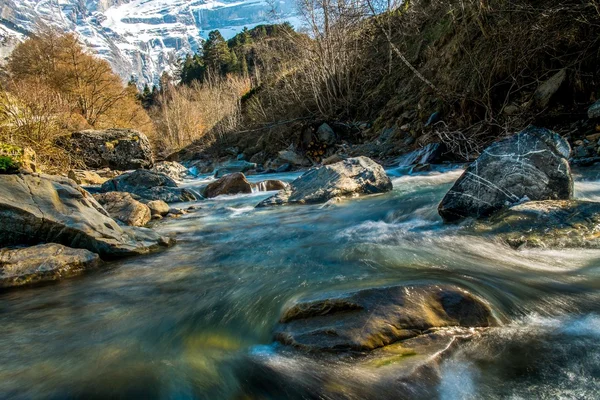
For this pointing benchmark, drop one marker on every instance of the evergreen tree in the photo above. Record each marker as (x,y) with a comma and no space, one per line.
(216,54)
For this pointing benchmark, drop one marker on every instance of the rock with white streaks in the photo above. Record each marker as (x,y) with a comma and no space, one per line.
(531,165)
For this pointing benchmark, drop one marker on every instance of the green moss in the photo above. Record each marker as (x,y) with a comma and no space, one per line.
(8,165)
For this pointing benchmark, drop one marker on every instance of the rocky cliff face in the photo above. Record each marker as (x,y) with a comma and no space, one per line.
(138,37)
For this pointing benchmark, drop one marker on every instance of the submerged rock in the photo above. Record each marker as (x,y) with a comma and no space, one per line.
(123,207)
(369,344)
(532,165)
(373,318)
(359,175)
(120,149)
(172,169)
(45,262)
(37,208)
(235,183)
(551,224)
(149,186)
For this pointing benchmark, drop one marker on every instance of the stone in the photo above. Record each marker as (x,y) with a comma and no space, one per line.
(283,168)
(148,185)
(335,158)
(293,158)
(594,110)
(434,118)
(38,208)
(353,176)
(546,91)
(326,135)
(158,207)
(532,164)
(120,149)
(429,154)
(121,206)
(372,318)
(270,184)
(235,183)
(234,166)
(172,169)
(45,262)
(547,224)
(84,177)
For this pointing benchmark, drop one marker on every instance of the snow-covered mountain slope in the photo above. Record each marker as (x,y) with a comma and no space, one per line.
(139,38)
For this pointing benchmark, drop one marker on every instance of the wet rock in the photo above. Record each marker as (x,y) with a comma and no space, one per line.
(172,169)
(84,177)
(544,94)
(234,166)
(326,135)
(148,185)
(284,168)
(45,262)
(430,154)
(594,110)
(269,185)
(121,206)
(353,176)
(37,208)
(549,224)
(120,149)
(158,207)
(532,165)
(405,370)
(235,183)
(373,318)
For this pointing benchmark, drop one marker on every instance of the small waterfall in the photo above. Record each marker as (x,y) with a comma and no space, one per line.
(259,187)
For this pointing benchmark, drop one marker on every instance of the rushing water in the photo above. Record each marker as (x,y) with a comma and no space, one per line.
(174,325)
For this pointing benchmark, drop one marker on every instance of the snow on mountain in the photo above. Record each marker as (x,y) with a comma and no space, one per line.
(139,38)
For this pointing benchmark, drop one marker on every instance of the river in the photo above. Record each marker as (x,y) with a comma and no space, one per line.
(177,324)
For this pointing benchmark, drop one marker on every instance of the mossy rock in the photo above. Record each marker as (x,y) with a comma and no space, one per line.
(8,165)
(13,158)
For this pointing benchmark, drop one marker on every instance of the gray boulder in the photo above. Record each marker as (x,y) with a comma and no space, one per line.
(37,208)
(235,183)
(120,149)
(547,224)
(172,169)
(532,165)
(547,90)
(121,206)
(234,166)
(148,185)
(353,176)
(292,157)
(158,207)
(372,318)
(45,262)
(326,135)
(594,110)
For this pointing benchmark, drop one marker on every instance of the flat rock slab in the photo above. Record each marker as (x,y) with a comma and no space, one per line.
(548,224)
(532,165)
(353,176)
(46,262)
(372,318)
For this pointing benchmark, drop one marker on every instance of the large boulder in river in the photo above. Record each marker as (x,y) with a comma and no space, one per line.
(235,183)
(373,318)
(353,176)
(547,224)
(172,169)
(532,165)
(148,185)
(37,208)
(121,206)
(120,149)
(45,262)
